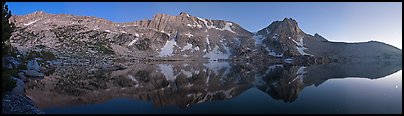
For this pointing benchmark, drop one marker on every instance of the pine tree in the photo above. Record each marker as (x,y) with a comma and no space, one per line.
(6,27)
(7,83)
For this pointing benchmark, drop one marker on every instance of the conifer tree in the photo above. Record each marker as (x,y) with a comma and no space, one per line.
(7,83)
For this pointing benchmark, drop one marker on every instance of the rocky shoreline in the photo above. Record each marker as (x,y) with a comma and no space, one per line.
(18,104)
(15,101)
(34,65)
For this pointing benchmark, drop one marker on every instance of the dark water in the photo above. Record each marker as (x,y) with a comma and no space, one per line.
(223,87)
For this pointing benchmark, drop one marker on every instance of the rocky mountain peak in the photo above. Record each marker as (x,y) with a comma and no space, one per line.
(184,14)
(319,37)
(36,14)
(287,26)
(39,13)
(290,20)
(281,38)
(292,23)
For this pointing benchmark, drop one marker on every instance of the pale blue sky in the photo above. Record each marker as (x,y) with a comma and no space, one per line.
(347,22)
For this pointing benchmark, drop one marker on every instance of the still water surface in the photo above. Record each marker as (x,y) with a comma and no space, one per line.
(222,87)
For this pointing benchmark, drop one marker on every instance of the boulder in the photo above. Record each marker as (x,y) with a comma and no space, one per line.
(33,65)
(19,89)
(10,62)
(33,73)
(21,76)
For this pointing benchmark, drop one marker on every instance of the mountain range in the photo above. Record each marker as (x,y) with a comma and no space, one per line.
(87,39)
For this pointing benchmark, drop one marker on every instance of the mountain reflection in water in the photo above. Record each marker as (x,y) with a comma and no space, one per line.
(189,83)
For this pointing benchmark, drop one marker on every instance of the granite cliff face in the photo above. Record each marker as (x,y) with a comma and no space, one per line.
(87,40)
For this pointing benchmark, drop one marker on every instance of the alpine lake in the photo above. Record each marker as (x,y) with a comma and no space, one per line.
(221,87)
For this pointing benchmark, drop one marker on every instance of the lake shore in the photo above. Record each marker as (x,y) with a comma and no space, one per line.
(13,103)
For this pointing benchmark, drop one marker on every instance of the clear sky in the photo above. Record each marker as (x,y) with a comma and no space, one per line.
(346,22)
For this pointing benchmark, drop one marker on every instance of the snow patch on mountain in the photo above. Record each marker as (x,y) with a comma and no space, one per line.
(187,47)
(207,41)
(168,48)
(189,25)
(196,48)
(258,39)
(189,34)
(227,27)
(215,54)
(300,46)
(32,22)
(273,53)
(165,33)
(194,25)
(301,51)
(133,41)
(204,21)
